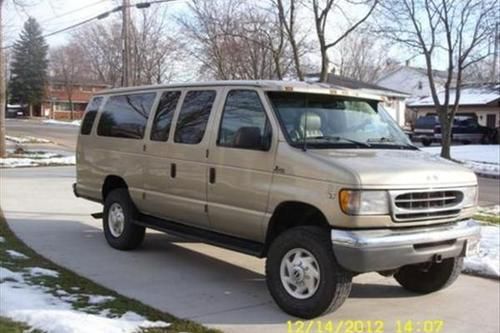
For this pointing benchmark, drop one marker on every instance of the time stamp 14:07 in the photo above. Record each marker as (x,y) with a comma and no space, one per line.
(365,326)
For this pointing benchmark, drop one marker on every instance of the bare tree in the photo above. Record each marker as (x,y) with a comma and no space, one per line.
(69,68)
(287,13)
(362,57)
(457,30)
(234,39)
(322,9)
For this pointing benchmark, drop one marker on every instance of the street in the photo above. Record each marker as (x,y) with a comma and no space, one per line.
(65,136)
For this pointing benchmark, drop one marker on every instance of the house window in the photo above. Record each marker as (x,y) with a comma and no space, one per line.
(86,89)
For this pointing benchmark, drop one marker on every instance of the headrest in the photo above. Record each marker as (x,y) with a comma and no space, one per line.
(313,121)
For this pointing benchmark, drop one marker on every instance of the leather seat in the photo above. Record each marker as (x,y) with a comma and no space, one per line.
(309,126)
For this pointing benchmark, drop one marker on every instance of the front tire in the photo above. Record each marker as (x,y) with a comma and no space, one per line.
(118,221)
(302,274)
(429,277)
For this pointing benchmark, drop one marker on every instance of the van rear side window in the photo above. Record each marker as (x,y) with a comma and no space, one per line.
(125,116)
(193,117)
(88,119)
(164,115)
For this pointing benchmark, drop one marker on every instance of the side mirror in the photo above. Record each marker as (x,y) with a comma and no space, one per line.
(250,138)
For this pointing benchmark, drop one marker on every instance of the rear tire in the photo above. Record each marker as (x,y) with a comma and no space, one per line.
(314,261)
(427,278)
(118,221)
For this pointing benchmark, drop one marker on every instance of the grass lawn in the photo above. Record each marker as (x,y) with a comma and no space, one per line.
(495,219)
(67,281)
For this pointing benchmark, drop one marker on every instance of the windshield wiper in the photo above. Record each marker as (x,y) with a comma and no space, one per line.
(340,138)
(392,142)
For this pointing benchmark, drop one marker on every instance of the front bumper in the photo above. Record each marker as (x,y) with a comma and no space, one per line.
(385,249)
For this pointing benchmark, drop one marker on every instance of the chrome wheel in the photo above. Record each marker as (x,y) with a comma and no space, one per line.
(116,220)
(300,274)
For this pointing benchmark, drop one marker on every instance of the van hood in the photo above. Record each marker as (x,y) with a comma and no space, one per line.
(395,168)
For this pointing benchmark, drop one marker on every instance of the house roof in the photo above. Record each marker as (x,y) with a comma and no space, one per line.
(470,94)
(77,81)
(436,72)
(343,81)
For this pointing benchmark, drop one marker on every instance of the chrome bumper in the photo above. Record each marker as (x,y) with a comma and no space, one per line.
(385,249)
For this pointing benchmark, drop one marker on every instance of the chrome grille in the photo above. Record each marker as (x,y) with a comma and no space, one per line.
(424,205)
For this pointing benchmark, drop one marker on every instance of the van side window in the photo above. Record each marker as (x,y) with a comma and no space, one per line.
(193,117)
(164,114)
(244,122)
(125,116)
(89,117)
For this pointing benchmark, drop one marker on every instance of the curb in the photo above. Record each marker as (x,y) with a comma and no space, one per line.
(487,175)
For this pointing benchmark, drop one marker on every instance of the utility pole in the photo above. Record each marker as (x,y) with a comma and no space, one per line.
(126,43)
(3,151)
(496,41)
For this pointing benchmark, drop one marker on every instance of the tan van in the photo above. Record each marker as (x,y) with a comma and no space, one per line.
(319,180)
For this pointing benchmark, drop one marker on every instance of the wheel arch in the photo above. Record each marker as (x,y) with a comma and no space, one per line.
(112,182)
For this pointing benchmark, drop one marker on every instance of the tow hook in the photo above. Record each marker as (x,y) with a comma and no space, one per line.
(438,258)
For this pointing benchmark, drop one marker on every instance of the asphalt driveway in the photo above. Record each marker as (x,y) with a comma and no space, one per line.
(215,287)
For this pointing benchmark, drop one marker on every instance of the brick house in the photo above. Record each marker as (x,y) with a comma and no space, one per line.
(55,104)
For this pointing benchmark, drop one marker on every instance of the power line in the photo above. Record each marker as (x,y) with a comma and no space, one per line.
(103,15)
(72,11)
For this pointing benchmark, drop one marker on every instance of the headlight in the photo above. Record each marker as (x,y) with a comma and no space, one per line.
(470,196)
(357,202)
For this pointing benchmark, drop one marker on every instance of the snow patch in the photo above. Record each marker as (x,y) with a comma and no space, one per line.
(487,261)
(45,312)
(59,122)
(99,299)
(16,255)
(493,210)
(8,274)
(26,139)
(16,162)
(2,240)
(38,271)
(480,158)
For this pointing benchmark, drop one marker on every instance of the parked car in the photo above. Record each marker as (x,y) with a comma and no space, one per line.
(424,129)
(15,111)
(321,182)
(467,130)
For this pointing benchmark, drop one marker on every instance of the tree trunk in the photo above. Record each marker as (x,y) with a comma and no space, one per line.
(30,108)
(71,107)
(3,151)
(446,128)
(323,76)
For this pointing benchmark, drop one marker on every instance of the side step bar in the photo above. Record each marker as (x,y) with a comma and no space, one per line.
(233,243)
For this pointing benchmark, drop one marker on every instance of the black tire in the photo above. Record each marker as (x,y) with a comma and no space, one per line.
(426,142)
(428,278)
(334,283)
(132,235)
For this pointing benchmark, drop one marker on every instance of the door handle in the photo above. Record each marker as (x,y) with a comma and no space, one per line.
(173,170)
(212,176)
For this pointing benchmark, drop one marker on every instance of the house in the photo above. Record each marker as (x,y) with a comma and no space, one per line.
(480,100)
(412,81)
(393,100)
(56,103)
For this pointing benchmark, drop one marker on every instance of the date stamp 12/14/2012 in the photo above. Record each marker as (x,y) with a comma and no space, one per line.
(366,326)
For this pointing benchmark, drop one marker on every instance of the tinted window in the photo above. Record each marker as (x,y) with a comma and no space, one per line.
(164,114)
(244,123)
(194,116)
(88,119)
(126,116)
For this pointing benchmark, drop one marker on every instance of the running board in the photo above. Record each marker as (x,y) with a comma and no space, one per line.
(214,238)
(97,215)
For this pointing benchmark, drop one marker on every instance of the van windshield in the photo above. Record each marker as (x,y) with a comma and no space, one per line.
(325,121)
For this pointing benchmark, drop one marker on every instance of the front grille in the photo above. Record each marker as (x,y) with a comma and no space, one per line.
(423,205)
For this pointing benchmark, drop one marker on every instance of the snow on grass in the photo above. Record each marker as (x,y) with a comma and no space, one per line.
(99,299)
(36,307)
(38,271)
(7,274)
(480,158)
(487,261)
(2,239)
(26,139)
(16,255)
(493,210)
(60,122)
(31,160)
